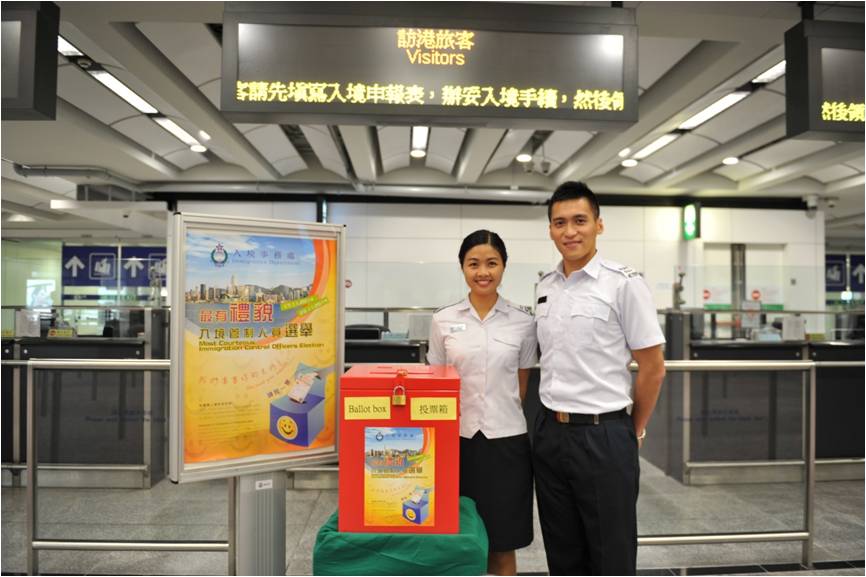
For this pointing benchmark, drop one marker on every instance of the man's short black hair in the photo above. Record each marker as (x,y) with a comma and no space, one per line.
(572,190)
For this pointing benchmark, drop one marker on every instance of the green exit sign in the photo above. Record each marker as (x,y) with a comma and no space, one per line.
(692,221)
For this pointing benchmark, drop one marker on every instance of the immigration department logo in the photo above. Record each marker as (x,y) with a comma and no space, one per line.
(219,256)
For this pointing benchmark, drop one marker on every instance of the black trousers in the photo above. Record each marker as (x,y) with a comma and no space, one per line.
(586,482)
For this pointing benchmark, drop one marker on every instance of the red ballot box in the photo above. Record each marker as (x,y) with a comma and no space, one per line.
(399,449)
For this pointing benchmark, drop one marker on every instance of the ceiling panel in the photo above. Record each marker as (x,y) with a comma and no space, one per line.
(274,145)
(750,112)
(739,171)
(394,147)
(681,150)
(777,85)
(149,134)
(834,172)
(562,144)
(190,46)
(643,172)
(443,146)
(511,144)
(80,89)
(185,158)
(857,163)
(212,91)
(85,44)
(289,165)
(323,145)
(49,183)
(786,151)
(658,55)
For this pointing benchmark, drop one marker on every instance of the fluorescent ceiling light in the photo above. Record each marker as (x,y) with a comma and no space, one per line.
(656,145)
(419,137)
(177,131)
(769,75)
(122,90)
(20,218)
(67,49)
(629,163)
(713,109)
(624,152)
(417,153)
(730,161)
(198,148)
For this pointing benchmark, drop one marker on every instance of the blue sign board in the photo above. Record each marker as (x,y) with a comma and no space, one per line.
(857,273)
(89,266)
(94,266)
(834,272)
(142,266)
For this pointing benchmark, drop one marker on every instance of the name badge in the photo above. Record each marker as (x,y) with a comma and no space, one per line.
(458,328)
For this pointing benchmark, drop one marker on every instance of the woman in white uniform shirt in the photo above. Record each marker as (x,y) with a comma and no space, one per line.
(492,344)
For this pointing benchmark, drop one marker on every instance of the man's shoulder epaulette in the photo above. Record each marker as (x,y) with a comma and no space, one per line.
(622,269)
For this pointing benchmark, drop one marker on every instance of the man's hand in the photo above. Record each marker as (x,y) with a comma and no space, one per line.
(647,384)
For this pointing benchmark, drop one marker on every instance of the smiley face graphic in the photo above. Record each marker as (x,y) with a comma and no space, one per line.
(287,427)
(410,514)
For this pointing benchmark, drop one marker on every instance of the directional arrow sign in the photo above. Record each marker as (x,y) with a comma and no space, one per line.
(133,265)
(92,266)
(857,273)
(74,265)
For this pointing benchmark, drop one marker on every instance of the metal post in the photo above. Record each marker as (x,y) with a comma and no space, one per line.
(809,513)
(232,523)
(147,405)
(687,397)
(32,456)
(16,406)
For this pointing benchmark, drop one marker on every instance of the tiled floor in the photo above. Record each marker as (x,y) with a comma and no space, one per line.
(199,511)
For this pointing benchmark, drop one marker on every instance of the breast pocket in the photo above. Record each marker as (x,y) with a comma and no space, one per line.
(542,322)
(505,351)
(588,318)
(460,348)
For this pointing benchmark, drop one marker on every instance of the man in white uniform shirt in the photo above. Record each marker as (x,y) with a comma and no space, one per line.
(593,316)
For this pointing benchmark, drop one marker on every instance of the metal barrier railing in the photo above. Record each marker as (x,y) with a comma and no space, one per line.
(34,545)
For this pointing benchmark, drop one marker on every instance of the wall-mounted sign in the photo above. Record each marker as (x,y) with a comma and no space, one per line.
(30,60)
(857,273)
(834,272)
(692,221)
(493,65)
(258,348)
(89,266)
(824,80)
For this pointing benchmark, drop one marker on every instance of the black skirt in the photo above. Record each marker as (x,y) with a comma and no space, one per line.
(497,475)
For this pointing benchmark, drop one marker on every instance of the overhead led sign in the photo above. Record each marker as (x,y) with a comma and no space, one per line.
(691,221)
(824,80)
(539,68)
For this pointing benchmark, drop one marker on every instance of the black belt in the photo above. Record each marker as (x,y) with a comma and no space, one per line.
(584,419)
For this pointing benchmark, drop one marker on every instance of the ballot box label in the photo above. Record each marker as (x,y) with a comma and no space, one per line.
(367,408)
(434,409)
(399,476)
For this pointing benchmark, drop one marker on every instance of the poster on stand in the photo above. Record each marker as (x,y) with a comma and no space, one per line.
(257,345)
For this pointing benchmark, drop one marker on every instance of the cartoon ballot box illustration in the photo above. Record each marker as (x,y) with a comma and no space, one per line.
(399,449)
(298,416)
(417,507)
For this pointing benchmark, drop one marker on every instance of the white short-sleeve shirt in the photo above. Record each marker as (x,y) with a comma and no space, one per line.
(486,354)
(588,324)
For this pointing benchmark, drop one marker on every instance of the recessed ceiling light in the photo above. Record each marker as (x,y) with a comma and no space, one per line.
(178,132)
(198,148)
(624,152)
(523,157)
(417,153)
(109,81)
(656,145)
(730,161)
(629,163)
(203,135)
(769,75)
(67,49)
(713,109)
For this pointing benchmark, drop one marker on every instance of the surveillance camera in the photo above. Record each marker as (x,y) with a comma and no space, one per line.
(545,167)
(831,203)
(811,202)
(126,214)
(527,167)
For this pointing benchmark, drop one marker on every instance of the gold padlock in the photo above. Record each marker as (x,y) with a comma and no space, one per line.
(398,397)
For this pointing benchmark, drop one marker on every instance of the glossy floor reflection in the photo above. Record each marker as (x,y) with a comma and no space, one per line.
(199,512)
